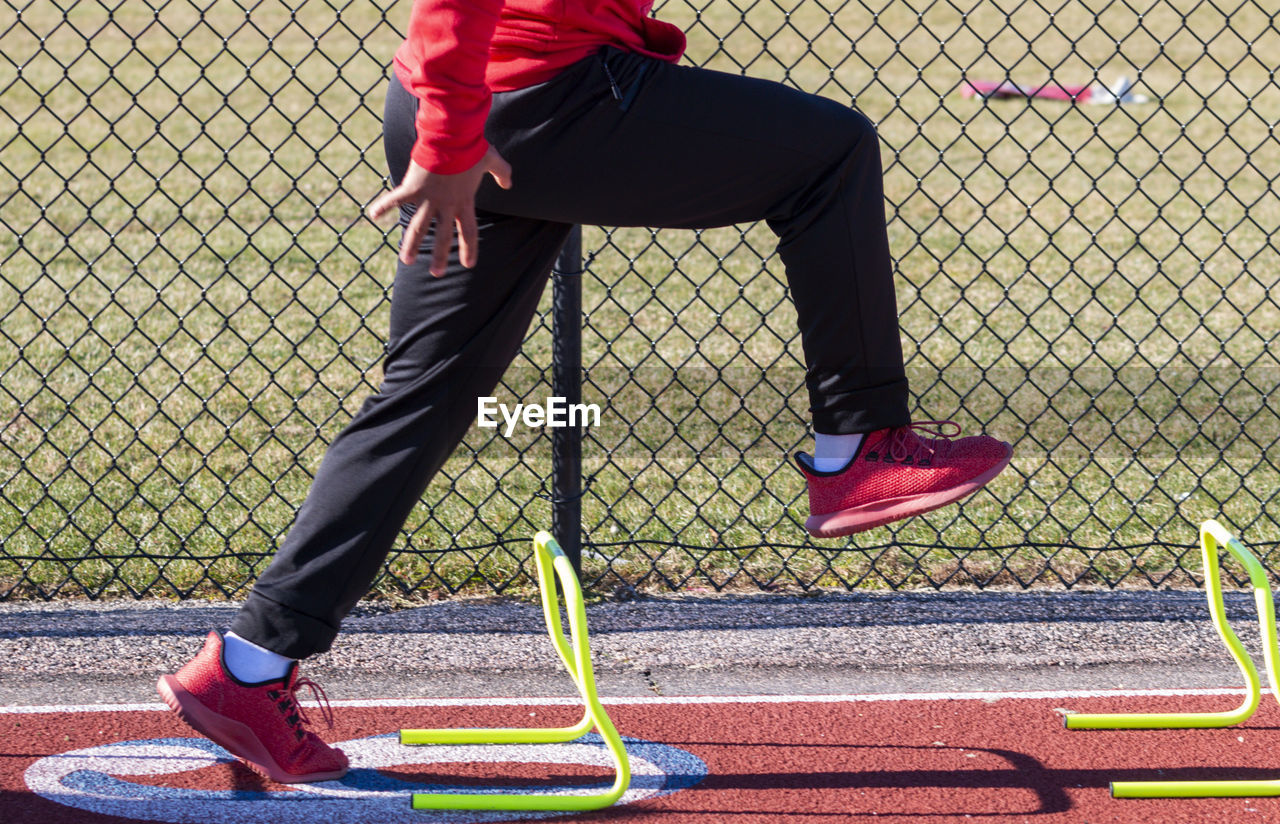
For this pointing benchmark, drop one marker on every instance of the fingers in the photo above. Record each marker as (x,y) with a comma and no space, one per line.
(410,190)
(414,232)
(468,237)
(449,201)
(417,228)
(499,168)
(382,204)
(443,243)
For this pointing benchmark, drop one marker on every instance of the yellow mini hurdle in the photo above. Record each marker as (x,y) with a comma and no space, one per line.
(575,653)
(1213,539)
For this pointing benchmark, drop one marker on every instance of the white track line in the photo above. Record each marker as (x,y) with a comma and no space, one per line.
(1032,695)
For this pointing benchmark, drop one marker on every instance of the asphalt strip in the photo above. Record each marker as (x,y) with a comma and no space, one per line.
(843,644)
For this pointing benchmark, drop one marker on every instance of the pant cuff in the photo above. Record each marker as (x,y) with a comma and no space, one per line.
(282,629)
(863,410)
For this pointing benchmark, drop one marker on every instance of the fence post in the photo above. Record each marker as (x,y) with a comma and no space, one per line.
(566,382)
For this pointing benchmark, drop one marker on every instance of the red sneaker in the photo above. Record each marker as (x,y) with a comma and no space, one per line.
(261,724)
(896,474)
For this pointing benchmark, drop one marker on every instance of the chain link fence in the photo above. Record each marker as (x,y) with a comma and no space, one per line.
(192,306)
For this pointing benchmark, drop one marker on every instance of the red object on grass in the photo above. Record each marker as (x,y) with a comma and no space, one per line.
(1004,89)
(1119,92)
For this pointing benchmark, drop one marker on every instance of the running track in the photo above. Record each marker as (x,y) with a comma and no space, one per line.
(976,757)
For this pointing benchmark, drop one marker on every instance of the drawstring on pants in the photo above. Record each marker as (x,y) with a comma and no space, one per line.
(624,100)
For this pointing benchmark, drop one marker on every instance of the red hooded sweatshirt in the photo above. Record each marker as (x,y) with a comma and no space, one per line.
(460,51)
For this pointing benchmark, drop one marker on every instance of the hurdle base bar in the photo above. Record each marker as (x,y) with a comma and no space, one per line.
(1195,789)
(1159,720)
(546,802)
(575,654)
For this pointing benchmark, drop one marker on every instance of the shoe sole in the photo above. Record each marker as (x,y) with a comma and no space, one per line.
(233,736)
(870,516)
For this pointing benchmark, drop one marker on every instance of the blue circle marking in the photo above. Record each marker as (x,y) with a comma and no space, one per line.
(96,779)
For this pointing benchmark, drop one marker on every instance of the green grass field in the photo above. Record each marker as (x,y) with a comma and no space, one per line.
(192,305)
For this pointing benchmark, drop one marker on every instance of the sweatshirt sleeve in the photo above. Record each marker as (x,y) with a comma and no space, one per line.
(442,63)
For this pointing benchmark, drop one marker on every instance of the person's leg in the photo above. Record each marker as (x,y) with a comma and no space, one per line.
(632,141)
(691,148)
(688,148)
(451,339)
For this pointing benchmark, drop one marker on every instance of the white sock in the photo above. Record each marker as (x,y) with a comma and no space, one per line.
(832,452)
(251,663)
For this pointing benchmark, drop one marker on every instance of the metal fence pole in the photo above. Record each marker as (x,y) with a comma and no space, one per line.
(566,382)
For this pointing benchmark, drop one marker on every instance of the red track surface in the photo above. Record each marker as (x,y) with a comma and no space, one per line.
(1006,760)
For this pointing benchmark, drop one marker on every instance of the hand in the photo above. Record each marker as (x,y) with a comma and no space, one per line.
(450,200)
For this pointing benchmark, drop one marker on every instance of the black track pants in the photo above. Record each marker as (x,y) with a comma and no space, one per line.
(615,140)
